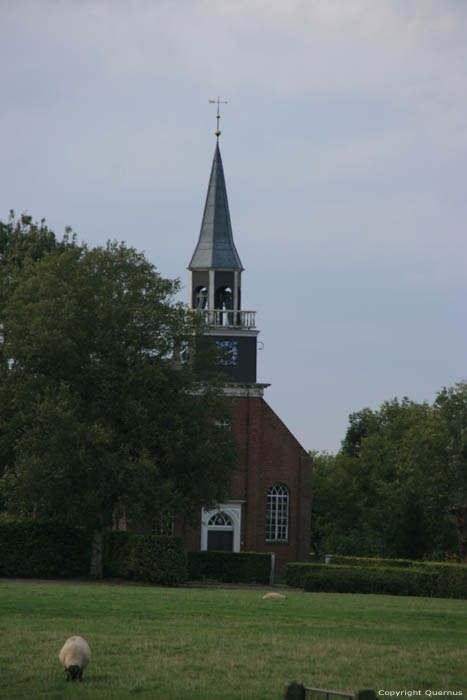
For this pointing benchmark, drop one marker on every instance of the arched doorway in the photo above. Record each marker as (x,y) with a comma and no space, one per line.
(220,528)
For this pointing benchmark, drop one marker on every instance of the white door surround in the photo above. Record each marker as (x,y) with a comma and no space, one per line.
(232,509)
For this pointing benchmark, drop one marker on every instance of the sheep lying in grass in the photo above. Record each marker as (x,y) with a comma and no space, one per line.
(75,655)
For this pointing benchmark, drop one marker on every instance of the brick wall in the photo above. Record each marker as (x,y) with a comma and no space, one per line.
(270,454)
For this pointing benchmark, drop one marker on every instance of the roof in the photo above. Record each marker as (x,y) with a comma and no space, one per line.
(215,247)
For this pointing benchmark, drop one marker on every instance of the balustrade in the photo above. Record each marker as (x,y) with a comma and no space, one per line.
(227,317)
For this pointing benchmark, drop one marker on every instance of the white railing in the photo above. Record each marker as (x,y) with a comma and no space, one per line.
(227,318)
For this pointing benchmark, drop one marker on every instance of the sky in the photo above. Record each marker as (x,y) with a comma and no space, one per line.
(344,144)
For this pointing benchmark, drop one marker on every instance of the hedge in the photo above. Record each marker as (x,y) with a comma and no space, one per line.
(451,579)
(229,567)
(296,574)
(156,559)
(356,579)
(42,550)
(39,549)
(370,561)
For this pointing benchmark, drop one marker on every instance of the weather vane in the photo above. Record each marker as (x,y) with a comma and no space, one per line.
(218,115)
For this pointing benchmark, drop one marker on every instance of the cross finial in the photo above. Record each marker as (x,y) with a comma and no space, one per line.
(218,115)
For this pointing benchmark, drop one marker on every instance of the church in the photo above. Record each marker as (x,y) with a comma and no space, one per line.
(269,505)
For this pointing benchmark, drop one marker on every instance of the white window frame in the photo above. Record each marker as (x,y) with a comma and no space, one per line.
(277,513)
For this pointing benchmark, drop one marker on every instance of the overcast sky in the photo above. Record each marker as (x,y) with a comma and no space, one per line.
(344,144)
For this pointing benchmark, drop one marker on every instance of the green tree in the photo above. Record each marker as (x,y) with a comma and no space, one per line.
(100,419)
(451,408)
(388,491)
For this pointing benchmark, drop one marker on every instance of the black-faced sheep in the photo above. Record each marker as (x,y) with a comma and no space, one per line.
(75,655)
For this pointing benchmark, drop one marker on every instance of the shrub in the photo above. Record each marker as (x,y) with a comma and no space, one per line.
(353,579)
(43,549)
(296,573)
(370,561)
(231,567)
(156,559)
(451,577)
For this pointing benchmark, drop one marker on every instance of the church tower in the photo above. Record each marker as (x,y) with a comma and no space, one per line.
(216,272)
(268,506)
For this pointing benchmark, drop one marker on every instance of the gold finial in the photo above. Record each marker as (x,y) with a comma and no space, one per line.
(218,115)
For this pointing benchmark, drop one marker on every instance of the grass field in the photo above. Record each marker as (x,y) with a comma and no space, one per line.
(203,644)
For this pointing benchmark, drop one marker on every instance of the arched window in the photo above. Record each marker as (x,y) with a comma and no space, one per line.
(277,513)
(220,520)
(223,300)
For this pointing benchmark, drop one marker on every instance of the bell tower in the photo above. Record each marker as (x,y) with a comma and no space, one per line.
(268,504)
(215,271)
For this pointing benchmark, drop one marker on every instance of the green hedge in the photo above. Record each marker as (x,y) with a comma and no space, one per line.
(38,549)
(370,561)
(296,574)
(451,579)
(156,559)
(356,579)
(230,567)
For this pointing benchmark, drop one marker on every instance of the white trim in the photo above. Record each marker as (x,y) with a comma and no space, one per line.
(211,290)
(234,510)
(231,331)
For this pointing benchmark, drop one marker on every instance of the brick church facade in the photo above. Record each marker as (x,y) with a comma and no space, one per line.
(269,505)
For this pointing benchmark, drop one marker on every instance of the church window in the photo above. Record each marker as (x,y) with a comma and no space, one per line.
(164,524)
(220,520)
(277,513)
(223,423)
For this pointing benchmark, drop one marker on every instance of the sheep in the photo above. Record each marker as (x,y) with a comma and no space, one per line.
(273,596)
(75,655)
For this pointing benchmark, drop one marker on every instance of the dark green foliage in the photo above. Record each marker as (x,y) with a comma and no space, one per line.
(353,579)
(99,417)
(389,490)
(371,561)
(296,573)
(447,580)
(452,578)
(232,567)
(157,559)
(40,549)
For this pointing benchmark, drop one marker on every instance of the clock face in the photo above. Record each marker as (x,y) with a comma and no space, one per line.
(229,350)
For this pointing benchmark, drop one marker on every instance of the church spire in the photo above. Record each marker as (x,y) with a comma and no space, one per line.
(216,248)
(216,272)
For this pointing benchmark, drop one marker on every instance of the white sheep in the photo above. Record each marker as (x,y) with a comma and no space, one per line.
(75,655)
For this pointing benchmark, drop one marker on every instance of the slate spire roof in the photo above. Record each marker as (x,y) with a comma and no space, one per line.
(215,247)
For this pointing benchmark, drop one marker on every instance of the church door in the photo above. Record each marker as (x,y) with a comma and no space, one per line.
(220,533)
(220,527)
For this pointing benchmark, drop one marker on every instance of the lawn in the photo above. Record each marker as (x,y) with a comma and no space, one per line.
(198,644)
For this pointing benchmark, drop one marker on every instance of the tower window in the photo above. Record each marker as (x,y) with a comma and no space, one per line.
(277,513)
(224,298)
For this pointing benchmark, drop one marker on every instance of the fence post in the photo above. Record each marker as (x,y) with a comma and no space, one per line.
(272,570)
(365,695)
(294,691)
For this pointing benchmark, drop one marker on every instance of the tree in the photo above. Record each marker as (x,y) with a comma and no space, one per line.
(387,492)
(451,408)
(100,419)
